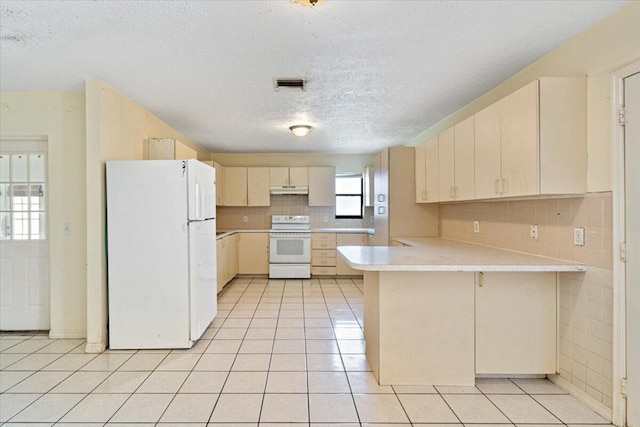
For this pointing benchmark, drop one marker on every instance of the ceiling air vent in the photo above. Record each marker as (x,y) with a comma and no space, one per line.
(289,84)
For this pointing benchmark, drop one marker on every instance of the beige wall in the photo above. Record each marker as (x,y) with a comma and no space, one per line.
(606,47)
(60,117)
(342,162)
(116,130)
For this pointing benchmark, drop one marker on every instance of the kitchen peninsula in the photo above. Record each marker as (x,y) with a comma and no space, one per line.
(441,312)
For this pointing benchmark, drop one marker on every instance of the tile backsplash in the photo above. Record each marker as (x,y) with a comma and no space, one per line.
(585,299)
(260,217)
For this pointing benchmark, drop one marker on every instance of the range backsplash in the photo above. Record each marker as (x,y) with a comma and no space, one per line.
(260,217)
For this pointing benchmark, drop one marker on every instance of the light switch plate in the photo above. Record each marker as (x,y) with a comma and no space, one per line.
(578,236)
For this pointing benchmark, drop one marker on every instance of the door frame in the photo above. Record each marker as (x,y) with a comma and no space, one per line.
(619,232)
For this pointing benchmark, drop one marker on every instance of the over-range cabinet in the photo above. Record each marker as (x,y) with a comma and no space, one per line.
(395,212)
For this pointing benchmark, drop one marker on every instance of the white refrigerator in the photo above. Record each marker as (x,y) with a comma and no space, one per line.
(161,246)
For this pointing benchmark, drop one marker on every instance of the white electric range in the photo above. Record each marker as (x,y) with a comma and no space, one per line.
(290,247)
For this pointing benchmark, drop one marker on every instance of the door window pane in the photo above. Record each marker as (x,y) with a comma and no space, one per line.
(36,167)
(36,197)
(5,168)
(19,168)
(20,225)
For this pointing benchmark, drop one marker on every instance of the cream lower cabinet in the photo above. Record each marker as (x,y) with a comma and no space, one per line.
(515,323)
(533,141)
(226,259)
(323,254)
(221,264)
(253,253)
(232,256)
(348,239)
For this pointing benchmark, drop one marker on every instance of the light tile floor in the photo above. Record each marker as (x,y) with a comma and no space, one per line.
(278,352)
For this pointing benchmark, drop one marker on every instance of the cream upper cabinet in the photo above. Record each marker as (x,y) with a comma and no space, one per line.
(446,165)
(169,149)
(278,177)
(431,170)
(235,186)
(464,160)
(322,186)
(519,143)
(253,253)
(219,180)
(533,141)
(219,183)
(258,187)
(293,176)
(299,176)
(367,184)
(421,169)
(488,168)
(426,160)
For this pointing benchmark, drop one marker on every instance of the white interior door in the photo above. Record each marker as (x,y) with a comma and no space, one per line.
(24,246)
(632,228)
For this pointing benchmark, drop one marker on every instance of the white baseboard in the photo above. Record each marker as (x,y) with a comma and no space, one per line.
(95,347)
(67,333)
(599,407)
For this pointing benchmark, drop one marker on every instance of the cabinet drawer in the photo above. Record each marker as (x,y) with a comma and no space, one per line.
(323,236)
(329,262)
(323,244)
(323,271)
(323,253)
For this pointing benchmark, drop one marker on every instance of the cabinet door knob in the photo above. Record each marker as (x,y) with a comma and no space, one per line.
(381,197)
(381,210)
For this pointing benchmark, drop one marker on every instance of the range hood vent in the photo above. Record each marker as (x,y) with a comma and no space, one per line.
(289,189)
(289,83)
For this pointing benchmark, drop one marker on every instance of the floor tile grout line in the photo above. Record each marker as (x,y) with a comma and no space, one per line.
(273,344)
(60,382)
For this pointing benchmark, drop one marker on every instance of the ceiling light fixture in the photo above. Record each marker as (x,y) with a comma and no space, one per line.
(311,3)
(300,130)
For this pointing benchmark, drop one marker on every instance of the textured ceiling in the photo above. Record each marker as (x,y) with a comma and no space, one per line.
(379,72)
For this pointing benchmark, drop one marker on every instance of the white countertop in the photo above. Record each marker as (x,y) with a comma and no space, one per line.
(436,254)
(226,232)
(342,230)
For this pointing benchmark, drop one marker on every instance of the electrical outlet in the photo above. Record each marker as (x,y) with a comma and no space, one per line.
(67,228)
(325,219)
(245,219)
(578,236)
(372,218)
(534,232)
(476,226)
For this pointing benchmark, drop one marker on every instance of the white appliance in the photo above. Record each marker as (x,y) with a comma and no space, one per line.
(290,247)
(161,252)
